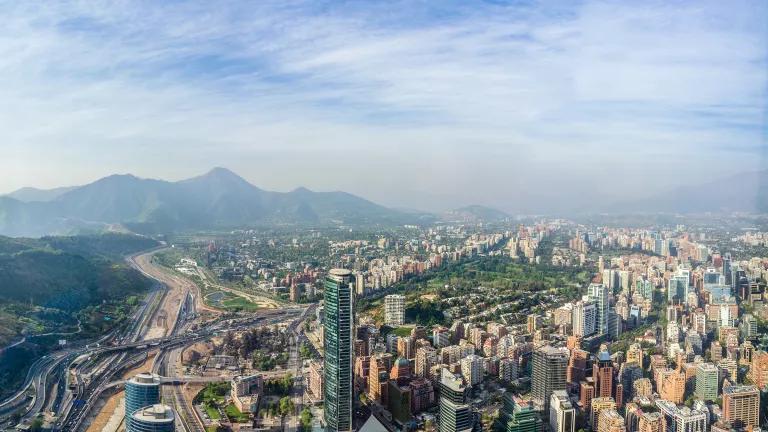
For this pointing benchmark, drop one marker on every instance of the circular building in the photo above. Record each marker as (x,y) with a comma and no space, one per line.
(141,391)
(153,418)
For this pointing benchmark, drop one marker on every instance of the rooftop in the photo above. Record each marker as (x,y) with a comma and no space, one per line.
(157,413)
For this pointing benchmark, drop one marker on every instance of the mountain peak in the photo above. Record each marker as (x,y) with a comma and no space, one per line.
(221,171)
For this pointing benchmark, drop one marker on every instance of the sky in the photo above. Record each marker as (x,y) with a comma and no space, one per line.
(519,105)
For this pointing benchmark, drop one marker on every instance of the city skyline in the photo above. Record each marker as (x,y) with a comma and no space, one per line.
(460,100)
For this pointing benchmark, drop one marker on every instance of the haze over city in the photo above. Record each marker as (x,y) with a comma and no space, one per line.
(430,105)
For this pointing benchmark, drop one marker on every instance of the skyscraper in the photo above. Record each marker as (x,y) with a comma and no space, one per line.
(601,296)
(455,414)
(338,350)
(549,373)
(602,374)
(394,310)
(141,391)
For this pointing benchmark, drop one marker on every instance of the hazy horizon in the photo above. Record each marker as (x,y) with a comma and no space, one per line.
(427,106)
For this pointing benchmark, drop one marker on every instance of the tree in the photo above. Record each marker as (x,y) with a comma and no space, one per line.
(306,420)
(286,406)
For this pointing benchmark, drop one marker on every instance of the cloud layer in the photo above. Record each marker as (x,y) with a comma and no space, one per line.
(428,104)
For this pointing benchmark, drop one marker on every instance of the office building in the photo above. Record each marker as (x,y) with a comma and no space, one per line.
(394,310)
(455,413)
(141,391)
(602,375)
(741,406)
(153,418)
(562,415)
(517,415)
(677,289)
(707,381)
(338,323)
(549,373)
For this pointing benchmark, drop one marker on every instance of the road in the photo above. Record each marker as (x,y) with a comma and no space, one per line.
(69,382)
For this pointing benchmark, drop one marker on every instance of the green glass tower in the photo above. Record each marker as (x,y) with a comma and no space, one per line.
(338,350)
(517,416)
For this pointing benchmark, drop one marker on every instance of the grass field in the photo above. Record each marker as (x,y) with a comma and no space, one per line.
(239,303)
(235,415)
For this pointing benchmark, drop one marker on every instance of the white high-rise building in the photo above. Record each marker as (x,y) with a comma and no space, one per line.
(562,415)
(584,319)
(394,310)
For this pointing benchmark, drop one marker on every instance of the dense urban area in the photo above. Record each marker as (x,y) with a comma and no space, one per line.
(516,325)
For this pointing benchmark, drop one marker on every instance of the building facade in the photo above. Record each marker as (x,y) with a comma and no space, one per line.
(338,350)
(394,310)
(141,391)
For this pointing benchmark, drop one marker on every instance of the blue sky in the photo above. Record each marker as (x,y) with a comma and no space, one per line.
(418,103)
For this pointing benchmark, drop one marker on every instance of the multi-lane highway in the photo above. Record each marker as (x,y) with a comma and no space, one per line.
(69,382)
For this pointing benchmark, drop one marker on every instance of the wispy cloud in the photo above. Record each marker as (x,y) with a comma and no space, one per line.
(453,97)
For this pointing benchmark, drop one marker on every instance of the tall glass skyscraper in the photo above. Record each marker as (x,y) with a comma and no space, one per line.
(141,391)
(338,350)
(600,295)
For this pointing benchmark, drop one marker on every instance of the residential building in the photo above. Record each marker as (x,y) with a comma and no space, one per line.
(741,406)
(598,405)
(472,369)
(610,421)
(681,419)
(584,319)
(394,310)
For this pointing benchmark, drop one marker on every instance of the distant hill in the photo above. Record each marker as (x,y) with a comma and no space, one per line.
(29,194)
(744,192)
(217,199)
(476,213)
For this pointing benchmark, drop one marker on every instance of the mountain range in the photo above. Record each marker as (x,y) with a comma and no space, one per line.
(217,199)
(222,199)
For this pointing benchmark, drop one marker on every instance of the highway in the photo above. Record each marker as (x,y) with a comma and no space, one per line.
(70,381)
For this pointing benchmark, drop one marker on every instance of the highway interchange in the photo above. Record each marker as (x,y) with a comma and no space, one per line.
(70,382)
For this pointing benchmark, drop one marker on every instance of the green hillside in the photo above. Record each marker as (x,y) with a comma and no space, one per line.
(52,279)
